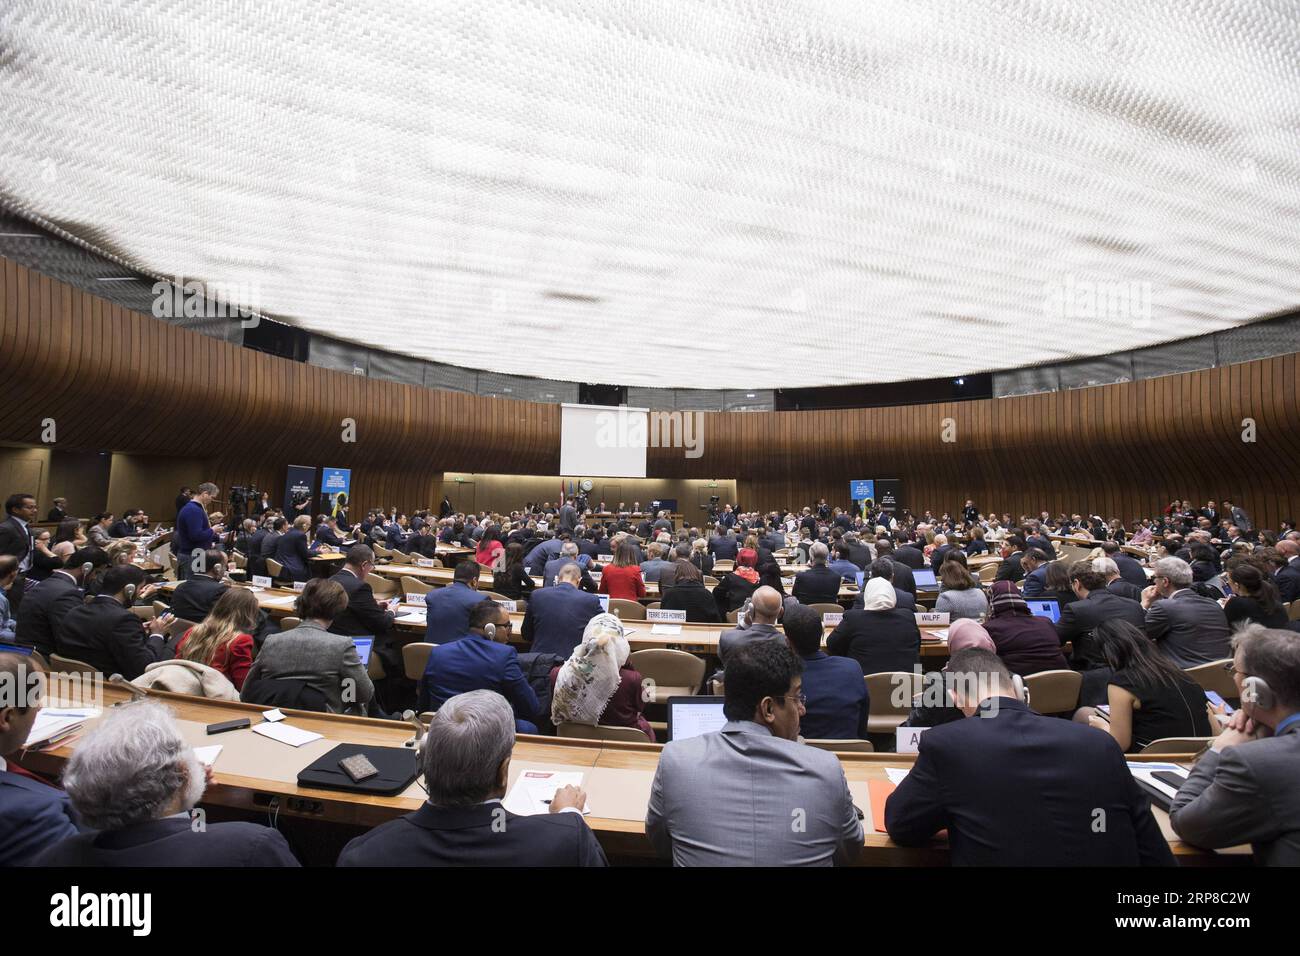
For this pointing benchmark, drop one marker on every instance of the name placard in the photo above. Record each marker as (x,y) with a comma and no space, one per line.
(299,585)
(261,581)
(605,558)
(908,739)
(832,619)
(931,618)
(509,606)
(410,597)
(667,617)
(424,562)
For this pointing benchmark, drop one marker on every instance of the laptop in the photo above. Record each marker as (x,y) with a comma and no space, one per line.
(1050,609)
(691,716)
(364,644)
(925,579)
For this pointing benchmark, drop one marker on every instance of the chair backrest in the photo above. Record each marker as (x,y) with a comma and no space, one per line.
(567,728)
(1178,745)
(238,560)
(375,666)
(401,557)
(159,608)
(710,581)
(1054,692)
(891,692)
(143,611)
(381,586)
(827,608)
(1293,610)
(68,665)
(415,586)
(381,551)
(275,567)
(724,565)
(626,610)
(415,658)
(988,573)
(654,605)
(494,596)
(843,746)
(668,668)
(289,623)
(1216,677)
(179,627)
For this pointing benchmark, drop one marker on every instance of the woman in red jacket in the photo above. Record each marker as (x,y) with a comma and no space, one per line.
(224,640)
(622,579)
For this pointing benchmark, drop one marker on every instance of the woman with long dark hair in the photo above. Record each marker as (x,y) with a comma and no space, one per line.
(1254,596)
(513,581)
(1149,698)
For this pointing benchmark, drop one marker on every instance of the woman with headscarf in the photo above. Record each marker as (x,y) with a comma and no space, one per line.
(1026,644)
(595,685)
(881,636)
(737,585)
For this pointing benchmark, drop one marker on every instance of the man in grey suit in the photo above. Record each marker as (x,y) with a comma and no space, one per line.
(765,609)
(1246,788)
(750,794)
(1188,628)
(568,516)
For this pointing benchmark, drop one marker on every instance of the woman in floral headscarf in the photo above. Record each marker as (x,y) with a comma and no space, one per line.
(737,585)
(595,685)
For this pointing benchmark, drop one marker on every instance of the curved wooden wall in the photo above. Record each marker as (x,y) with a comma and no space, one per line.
(118,380)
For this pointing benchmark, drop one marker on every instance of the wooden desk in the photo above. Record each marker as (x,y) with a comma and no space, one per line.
(256,774)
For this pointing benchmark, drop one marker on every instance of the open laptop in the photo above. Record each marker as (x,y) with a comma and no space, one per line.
(692,716)
(925,578)
(364,646)
(1043,607)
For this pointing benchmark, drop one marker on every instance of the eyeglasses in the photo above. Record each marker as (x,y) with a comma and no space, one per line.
(802,699)
(1231,668)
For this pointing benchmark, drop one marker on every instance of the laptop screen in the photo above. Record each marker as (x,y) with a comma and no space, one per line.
(692,716)
(925,579)
(364,644)
(1048,609)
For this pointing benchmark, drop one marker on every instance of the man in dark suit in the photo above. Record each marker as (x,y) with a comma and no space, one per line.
(194,597)
(105,634)
(1012,550)
(569,555)
(34,814)
(1246,788)
(447,609)
(481,659)
(1130,569)
(903,578)
(544,551)
(397,535)
(859,553)
(556,616)
(941,549)
(837,704)
(1188,628)
(59,511)
(466,767)
(16,539)
(327,532)
(138,749)
(1288,576)
(363,615)
(1001,788)
(819,584)
(1095,605)
(272,541)
(724,547)
(45,605)
(910,555)
(292,550)
(1034,562)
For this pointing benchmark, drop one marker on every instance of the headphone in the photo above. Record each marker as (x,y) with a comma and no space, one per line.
(490,631)
(1022,692)
(87,568)
(1256,692)
(129,591)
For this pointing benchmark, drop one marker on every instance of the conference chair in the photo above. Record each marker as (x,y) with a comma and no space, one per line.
(179,626)
(726,565)
(415,586)
(159,608)
(289,623)
(1178,745)
(1215,676)
(673,673)
(494,596)
(890,705)
(1054,692)
(401,557)
(841,746)
(825,608)
(1293,610)
(415,658)
(569,728)
(375,667)
(988,573)
(710,581)
(717,688)
(654,605)
(626,610)
(381,586)
(275,569)
(144,612)
(237,560)
(68,665)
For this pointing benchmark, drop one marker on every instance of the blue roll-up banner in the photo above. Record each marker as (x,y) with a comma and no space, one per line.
(299,487)
(862,489)
(336,488)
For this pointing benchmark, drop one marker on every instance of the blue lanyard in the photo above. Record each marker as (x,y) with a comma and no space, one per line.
(1277,732)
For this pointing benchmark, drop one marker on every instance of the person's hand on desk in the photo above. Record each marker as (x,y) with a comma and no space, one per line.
(568,798)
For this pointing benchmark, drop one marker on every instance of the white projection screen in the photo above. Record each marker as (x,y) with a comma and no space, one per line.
(602,441)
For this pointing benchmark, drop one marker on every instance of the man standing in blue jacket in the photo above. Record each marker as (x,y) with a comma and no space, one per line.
(193,532)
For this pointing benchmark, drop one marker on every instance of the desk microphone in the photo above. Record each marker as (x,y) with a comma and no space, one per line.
(412,718)
(136,692)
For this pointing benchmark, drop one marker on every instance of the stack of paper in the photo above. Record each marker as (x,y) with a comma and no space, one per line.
(534,789)
(56,724)
(286,733)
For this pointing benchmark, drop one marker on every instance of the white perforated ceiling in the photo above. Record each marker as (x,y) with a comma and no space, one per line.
(716,194)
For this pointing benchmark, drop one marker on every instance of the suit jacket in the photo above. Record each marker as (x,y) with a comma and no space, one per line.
(878,640)
(937,556)
(999,785)
(1288,581)
(724,547)
(838,704)
(292,551)
(326,535)
(1125,590)
(193,598)
(109,638)
(42,609)
(914,558)
(552,568)
(693,598)
(1010,569)
(1035,583)
(14,538)
(556,617)
(363,615)
(1189,629)
(447,612)
(321,659)
(1245,794)
(172,841)
(482,835)
(1080,618)
(705,810)
(904,580)
(1130,569)
(476,663)
(33,815)
(568,518)
(535,560)
(818,585)
(730,640)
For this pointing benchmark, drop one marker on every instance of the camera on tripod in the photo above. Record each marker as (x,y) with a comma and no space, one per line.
(240,496)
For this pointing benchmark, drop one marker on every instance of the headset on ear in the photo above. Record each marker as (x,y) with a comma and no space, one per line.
(490,631)
(87,568)
(1018,685)
(129,591)
(1256,692)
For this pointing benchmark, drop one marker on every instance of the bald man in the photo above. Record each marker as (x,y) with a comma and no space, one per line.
(765,609)
(1288,576)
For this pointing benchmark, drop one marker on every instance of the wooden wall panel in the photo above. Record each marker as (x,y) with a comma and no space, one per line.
(116,380)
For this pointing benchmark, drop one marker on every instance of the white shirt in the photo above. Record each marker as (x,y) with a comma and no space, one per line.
(26,563)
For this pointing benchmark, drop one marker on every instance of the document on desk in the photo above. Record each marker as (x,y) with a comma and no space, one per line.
(208,755)
(895,774)
(534,790)
(285,601)
(54,724)
(1144,772)
(286,734)
(666,629)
